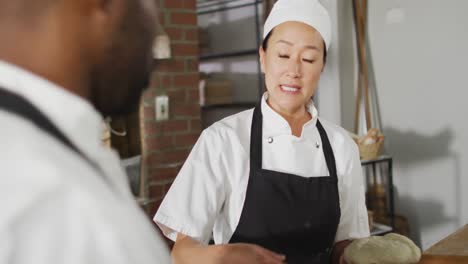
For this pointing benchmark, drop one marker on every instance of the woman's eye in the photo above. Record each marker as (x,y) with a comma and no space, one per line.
(308,61)
(283,56)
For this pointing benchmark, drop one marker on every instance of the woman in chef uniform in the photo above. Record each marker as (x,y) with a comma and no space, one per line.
(276,183)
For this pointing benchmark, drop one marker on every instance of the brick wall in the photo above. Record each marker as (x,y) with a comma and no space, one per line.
(167,144)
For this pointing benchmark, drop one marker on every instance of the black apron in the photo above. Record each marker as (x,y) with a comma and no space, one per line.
(286,213)
(18,105)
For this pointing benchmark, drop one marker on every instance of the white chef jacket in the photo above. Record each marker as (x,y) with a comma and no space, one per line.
(54,207)
(207,196)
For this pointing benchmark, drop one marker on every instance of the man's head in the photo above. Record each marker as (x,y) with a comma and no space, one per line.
(123,72)
(98,49)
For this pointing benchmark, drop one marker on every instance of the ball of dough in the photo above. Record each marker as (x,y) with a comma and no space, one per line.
(389,249)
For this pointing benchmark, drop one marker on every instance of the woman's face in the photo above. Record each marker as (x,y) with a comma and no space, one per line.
(292,64)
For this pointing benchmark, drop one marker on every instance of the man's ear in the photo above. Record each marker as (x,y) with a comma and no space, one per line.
(261,53)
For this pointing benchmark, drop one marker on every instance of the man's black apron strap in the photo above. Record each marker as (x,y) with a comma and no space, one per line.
(18,105)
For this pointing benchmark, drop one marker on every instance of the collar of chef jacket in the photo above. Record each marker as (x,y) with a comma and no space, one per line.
(275,125)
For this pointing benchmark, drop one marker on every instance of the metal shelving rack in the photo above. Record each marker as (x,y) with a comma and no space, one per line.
(381,228)
(212,6)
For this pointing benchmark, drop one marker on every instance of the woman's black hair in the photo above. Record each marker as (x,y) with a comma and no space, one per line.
(265,46)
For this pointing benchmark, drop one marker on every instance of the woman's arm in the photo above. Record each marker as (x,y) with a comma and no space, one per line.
(187,251)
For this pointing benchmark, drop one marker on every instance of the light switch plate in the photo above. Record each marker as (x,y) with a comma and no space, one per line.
(162,107)
(162,47)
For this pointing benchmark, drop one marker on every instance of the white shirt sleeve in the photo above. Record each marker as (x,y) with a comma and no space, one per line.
(354,220)
(197,195)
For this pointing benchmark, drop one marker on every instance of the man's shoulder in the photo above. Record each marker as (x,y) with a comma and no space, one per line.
(26,187)
(24,142)
(34,168)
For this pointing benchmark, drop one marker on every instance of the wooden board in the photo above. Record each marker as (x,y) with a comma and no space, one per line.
(452,249)
(433,259)
(455,244)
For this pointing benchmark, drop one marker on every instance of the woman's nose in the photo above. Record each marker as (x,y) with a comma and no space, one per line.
(294,70)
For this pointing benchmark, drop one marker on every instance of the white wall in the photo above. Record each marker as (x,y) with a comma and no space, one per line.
(328,92)
(419,52)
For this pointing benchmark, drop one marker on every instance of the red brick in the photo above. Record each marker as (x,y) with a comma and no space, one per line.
(153,160)
(187,140)
(168,157)
(186,110)
(172,126)
(175,33)
(191,65)
(154,80)
(195,125)
(185,49)
(160,143)
(156,191)
(191,34)
(190,4)
(152,208)
(166,81)
(177,96)
(171,66)
(186,80)
(151,128)
(179,20)
(175,156)
(193,95)
(148,112)
(174,3)
(183,18)
(162,174)
(162,18)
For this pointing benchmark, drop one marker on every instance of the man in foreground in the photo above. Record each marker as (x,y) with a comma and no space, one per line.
(63,65)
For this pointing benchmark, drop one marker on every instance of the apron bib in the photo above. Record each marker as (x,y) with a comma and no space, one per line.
(286,213)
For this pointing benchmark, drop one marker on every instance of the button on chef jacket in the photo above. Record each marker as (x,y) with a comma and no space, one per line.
(54,207)
(207,196)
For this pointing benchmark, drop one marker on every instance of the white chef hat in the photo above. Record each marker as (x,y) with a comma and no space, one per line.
(309,12)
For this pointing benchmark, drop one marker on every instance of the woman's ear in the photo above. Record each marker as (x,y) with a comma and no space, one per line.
(261,53)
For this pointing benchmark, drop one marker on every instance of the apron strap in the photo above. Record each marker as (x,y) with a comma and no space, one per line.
(256,142)
(256,139)
(327,151)
(18,105)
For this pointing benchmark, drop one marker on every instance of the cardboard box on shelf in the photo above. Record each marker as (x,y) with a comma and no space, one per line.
(216,91)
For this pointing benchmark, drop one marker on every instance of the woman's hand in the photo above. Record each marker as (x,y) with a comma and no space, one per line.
(338,250)
(249,254)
